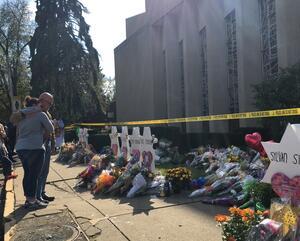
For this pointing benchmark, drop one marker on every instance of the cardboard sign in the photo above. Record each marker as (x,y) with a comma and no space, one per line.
(83,136)
(125,149)
(135,140)
(284,156)
(147,150)
(114,142)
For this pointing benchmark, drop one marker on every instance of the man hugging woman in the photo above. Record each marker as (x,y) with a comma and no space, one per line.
(33,129)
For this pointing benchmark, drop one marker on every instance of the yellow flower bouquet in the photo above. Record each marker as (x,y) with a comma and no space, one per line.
(179,177)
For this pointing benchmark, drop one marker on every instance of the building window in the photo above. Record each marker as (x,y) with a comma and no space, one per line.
(182,87)
(204,76)
(269,38)
(165,82)
(232,63)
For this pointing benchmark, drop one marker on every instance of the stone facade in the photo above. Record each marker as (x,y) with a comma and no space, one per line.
(198,57)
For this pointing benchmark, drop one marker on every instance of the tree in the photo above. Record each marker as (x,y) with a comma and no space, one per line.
(107,89)
(281,92)
(64,61)
(15,30)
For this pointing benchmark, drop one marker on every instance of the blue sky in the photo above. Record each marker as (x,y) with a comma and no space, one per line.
(107,21)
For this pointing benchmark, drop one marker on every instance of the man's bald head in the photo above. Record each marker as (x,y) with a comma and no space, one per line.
(46,100)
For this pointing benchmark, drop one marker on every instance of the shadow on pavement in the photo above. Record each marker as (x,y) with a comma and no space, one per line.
(19,214)
(139,204)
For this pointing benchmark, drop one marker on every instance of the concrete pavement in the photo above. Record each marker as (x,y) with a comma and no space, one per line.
(146,218)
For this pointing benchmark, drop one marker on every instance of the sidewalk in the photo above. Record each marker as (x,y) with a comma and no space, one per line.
(81,216)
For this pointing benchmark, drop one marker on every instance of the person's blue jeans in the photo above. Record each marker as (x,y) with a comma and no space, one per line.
(32,161)
(6,163)
(44,173)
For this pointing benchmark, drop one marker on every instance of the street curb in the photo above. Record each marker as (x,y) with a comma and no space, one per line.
(9,209)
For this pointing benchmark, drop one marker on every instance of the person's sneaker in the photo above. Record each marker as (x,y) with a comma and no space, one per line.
(11,176)
(48,198)
(42,200)
(34,205)
(41,203)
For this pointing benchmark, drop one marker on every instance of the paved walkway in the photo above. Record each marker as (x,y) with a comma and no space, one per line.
(146,218)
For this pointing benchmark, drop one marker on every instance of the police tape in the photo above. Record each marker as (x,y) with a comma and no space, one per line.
(234,116)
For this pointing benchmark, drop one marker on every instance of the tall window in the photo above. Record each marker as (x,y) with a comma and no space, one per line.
(165,82)
(232,63)
(269,38)
(182,89)
(204,76)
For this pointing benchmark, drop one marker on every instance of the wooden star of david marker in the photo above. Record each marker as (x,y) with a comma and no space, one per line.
(284,156)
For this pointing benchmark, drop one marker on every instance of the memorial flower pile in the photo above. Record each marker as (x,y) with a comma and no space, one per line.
(179,177)
(238,224)
(73,154)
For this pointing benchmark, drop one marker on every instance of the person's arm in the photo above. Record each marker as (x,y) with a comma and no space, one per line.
(16,117)
(47,124)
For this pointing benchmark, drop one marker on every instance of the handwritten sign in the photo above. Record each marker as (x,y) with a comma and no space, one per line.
(83,136)
(284,156)
(136,142)
(114,142)
(125,149)
(147,150)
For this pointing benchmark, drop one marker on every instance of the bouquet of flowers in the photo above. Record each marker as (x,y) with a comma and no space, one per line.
(105,180)
(237,225)
(179,177)
(124,181)
(66,152)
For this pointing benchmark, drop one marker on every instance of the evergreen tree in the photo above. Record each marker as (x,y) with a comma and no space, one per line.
(64,61)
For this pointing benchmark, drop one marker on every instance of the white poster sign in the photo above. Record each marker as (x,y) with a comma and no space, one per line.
(125,149)
(147,150)
(135,140)
(114,142)
(83,136)
(284,156)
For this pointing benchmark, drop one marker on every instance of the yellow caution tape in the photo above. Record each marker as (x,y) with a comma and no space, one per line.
(234,116)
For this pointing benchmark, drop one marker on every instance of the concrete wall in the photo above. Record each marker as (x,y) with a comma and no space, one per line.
(248,50)
(134,76)
(288,32)
(211,16)
(158,8)
(148,70)
(134,23)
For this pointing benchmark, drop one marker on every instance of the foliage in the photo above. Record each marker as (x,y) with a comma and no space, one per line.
(279,92)
(261,192)
(15,30)
(236,227)
(64,61)
(108,89)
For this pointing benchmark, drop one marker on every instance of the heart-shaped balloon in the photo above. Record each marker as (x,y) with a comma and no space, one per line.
(286,187)
(254,141)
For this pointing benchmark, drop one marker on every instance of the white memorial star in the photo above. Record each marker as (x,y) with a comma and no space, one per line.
(284,156)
